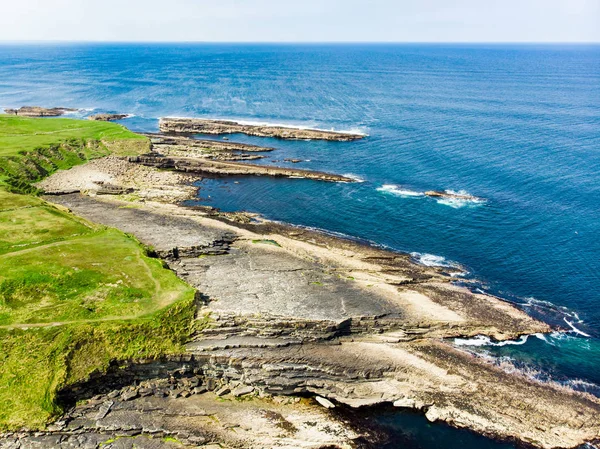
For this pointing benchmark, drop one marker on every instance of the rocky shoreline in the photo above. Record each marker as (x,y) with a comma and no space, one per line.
(291,326)
(170,125)
(297,313)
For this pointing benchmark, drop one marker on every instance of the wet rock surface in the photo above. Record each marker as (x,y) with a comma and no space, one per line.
(204,126)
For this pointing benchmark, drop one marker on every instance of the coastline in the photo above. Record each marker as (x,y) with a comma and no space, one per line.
(288,312)
(244,332)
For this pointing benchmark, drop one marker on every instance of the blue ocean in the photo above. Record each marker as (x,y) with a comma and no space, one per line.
(517,126)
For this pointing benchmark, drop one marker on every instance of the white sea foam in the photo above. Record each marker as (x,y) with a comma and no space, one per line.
(457,203)
(574,329)
(432,260)
(399,191)
(350,175)
(282,125)
(482,340)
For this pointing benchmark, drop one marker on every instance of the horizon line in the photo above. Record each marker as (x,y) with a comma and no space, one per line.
(68,41)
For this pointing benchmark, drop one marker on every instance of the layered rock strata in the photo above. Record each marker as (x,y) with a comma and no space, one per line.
(301,313)
(204,126)
(211,167)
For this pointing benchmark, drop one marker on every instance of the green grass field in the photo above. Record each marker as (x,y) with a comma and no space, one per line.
(25,134)
(33,148)
(73,295)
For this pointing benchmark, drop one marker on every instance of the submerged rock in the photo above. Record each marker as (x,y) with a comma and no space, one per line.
(452,195)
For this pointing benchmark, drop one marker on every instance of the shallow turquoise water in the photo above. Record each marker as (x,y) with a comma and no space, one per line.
(516,125)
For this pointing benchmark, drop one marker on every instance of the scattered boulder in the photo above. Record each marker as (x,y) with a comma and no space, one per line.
(129,395)
(223,391)
(103,410)
(324,402)
(242,391)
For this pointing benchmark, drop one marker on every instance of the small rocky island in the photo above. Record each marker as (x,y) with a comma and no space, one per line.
(205,126)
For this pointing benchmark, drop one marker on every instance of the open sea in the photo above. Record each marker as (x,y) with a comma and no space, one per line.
(516,125)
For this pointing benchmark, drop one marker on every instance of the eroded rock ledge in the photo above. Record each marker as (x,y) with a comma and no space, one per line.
(285,312)
(298,313)
(204,126)
(211,167)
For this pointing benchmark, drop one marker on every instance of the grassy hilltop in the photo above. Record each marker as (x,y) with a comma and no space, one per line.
(73,295)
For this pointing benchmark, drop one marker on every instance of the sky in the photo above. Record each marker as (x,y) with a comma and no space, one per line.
(301,20)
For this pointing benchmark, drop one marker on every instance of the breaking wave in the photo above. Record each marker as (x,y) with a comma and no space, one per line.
(462,198)
(482,340)
(398,191)
(349,175)
(458,202)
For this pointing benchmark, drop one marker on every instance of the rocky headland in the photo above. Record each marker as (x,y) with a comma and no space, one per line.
(37,111)
(169,125)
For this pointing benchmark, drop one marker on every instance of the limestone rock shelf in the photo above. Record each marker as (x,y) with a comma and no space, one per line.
(205,126)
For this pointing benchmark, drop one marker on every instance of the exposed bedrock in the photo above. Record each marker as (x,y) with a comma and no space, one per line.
(205,126)
(37,111)
(210,167)
(162,141)
(107,117)
(428,376)
(291,312)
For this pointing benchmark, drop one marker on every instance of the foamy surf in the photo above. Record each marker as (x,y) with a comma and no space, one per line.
(399,191)
(432,260)
(352,176)
(482,340)
(462,199)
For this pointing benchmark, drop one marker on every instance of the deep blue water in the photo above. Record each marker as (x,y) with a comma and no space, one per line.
(516,125)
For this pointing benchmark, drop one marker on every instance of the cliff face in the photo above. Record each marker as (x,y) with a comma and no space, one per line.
(203,126)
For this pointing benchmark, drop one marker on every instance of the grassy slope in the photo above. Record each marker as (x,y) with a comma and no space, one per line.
(73,295)
(32,148)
